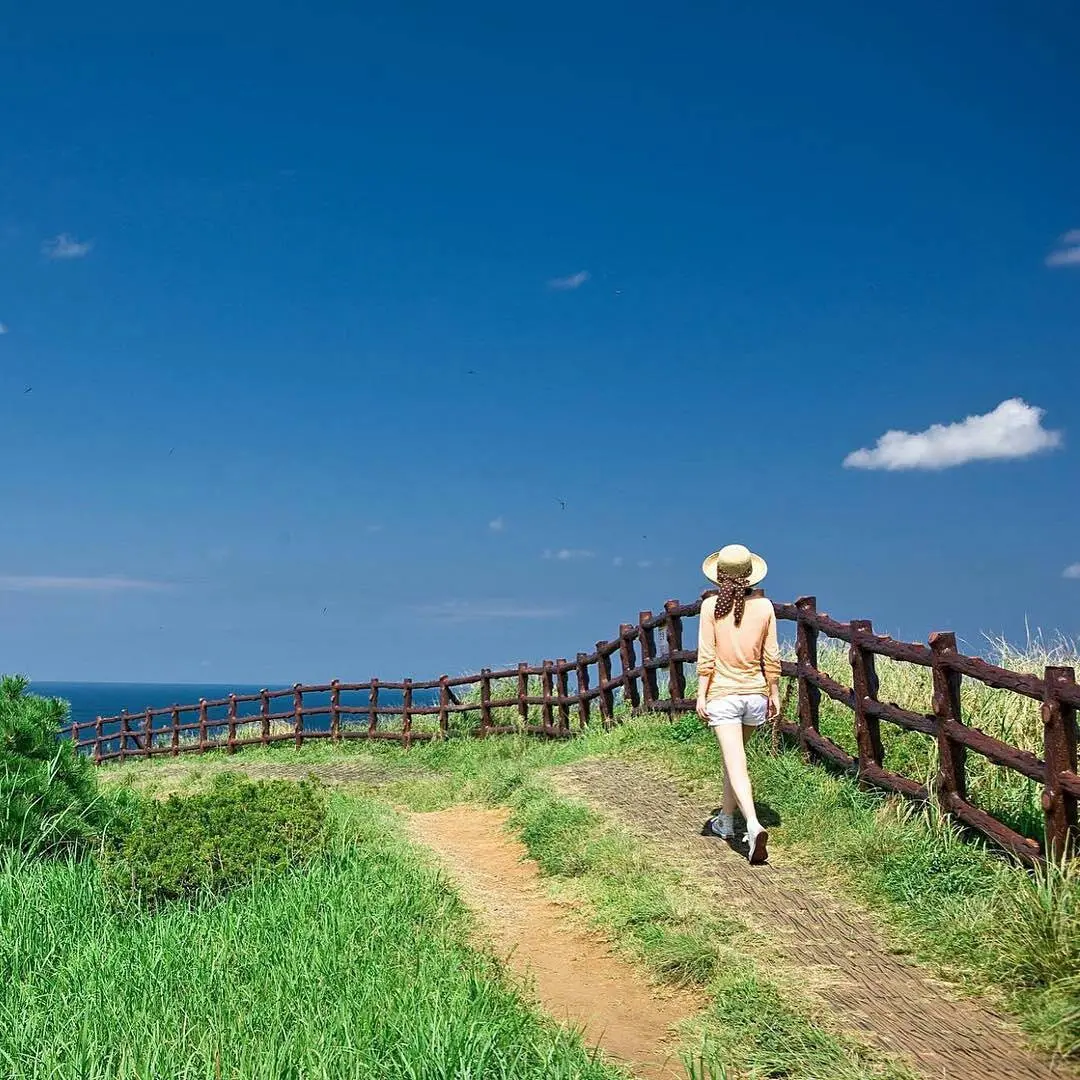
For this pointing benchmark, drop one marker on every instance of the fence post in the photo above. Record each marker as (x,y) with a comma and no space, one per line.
(444,706)
(264,712)
(175,730)
(373,707)
(676,672)
(582,690)
(485,701)
(1059,751)
(806,657)
(523,693)
(148,732)
(406,714)
(864,682)
(562,683)
(335,711)
(298,714)
(650,689)
(603,675)
(202,725)
(73,734)
(99,728)
(952,756)
(232,723)
(123,734)
(626,658)
(546,717)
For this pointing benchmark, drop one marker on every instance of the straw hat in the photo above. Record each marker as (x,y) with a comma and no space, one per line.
(735,561)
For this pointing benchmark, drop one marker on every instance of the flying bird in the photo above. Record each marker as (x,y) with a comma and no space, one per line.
(561,503)
(28,389)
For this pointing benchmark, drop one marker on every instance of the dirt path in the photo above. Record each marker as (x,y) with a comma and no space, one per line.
(888,1002)
(574,976)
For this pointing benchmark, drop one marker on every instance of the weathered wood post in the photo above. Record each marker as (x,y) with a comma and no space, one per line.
(546,690)
(373,707)
(562,683)
(864,682)
(603,675)
(674,634)
(523,694)
(1059,751)
(124,729)
(627,632)
(264,715)
(485,701)
(582,671)
(406,713)
(806,658)
(298,714)
(232,724)
(202,725)
(650,689)
(952,756)
(148,732)
(175,747)
(335,710)
(444,705)
(99,728)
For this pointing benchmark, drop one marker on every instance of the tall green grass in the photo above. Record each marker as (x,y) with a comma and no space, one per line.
(356,968)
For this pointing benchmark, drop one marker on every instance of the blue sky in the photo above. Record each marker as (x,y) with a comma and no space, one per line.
(324,308)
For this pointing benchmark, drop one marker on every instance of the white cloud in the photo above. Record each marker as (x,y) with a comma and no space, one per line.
(1068,250)
(563,554)
(574,281)
(468,611)
(1013,430)
(31,583)
(497,525)
(3,328)
(1072,571)
(66,246)
(617,561)
(644,563)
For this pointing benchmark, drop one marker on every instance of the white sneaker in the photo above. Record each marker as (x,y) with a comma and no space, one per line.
(755,842)
(723,825)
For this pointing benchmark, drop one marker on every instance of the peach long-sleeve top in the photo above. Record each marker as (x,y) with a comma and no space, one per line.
(743,659)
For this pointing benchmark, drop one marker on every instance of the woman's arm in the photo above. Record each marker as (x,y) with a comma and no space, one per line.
(770,664)
(706,652)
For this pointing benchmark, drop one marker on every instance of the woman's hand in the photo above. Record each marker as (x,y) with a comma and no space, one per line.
(772,710)
(701,709)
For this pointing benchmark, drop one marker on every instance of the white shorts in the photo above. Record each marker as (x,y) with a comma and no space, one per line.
(748,709)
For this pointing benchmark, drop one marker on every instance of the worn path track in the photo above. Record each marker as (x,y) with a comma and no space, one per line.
(891,1003)
(574,975)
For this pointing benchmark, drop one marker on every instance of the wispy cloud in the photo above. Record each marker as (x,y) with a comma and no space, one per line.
(65,246)
(617,561)
(373,528)
(564,554)
(1067,252)
(469,611)
(32,583)
(1012,430)
(645,563)
(574,281)
(497,525)
(3,328)
(1072,571)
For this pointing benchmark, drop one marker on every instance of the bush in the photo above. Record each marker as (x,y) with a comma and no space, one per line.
(49,798)
(203,845)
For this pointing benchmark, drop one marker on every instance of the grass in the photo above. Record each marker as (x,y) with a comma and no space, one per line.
(358,967)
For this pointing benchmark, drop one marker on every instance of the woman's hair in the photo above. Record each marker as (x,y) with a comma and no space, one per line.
(731,597)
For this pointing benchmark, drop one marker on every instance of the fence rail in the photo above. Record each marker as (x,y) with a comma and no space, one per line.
(637,684)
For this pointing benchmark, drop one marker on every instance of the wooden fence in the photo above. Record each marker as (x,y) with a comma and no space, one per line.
(641,658)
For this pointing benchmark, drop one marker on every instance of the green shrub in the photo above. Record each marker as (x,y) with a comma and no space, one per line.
(49,798)
(203,845)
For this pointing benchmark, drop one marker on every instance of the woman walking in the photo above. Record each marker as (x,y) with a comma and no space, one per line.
(738,670)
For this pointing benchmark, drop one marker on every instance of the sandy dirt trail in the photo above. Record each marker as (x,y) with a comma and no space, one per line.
(571,973)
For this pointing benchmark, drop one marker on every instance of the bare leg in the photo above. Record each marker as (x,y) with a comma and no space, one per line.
(736,779)
(727,802)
